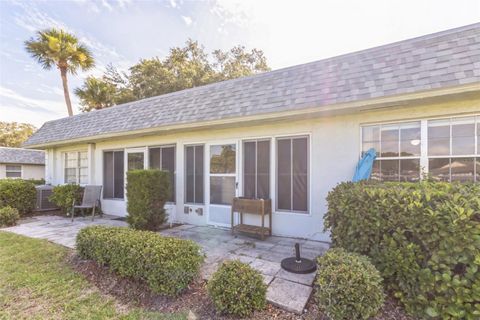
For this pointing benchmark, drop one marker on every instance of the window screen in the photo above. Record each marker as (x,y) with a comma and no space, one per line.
(256,169)
(113,175)
(194,174)
(292,174)
(13,171)
(163,158)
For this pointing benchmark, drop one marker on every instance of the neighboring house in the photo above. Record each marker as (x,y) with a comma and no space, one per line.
(290,135)
(17,163)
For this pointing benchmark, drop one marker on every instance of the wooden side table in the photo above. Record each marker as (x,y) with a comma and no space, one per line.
(261,207)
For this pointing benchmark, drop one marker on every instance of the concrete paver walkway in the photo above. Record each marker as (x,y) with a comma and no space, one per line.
(286,290)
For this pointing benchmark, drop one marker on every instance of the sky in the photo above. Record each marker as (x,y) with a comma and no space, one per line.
(123,31)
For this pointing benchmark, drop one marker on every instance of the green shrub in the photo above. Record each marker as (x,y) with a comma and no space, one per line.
(37,182)
(18,194)
(348,286)
(424,238)
(238,289)
(8,216)
(63,196)
(147,192)
(166,264)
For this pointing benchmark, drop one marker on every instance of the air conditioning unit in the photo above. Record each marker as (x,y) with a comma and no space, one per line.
(43,204)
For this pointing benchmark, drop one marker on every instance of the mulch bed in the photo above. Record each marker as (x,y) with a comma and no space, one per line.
(195,298)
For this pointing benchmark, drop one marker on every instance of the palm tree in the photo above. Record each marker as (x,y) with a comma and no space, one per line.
(96,94)
(59,48)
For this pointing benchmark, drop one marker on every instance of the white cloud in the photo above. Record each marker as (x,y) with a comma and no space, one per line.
(188,20)
(17,107)
(173,3)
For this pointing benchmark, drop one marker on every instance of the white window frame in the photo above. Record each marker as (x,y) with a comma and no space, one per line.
(16,171)
(399,157)
(309,161)
(424,157)
(113,168)
(77,168)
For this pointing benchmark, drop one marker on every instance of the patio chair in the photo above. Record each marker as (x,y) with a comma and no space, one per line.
(91,200)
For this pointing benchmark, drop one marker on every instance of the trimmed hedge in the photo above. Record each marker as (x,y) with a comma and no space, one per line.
(423,237)
(348,286)
(63,196)
(8,216)
(18,194)
(238,289)
(147,193)
(167,265)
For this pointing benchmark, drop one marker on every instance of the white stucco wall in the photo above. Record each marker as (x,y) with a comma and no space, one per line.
(29,171)
(335,149)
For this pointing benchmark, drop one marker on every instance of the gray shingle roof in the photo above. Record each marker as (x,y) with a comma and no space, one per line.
(439,60)
(21,156)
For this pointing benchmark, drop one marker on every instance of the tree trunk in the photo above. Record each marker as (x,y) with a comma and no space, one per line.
(63,73)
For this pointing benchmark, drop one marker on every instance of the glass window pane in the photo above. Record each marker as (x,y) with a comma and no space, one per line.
(390,170)
(83,179)
(71,160)
(284,174)
(376,171)
(462,169)
(222,159)
(13,174)
(410,139)
(439,169)
(190,176)
(439,138)
(371,139)
(199,174)
(249,166)
(119,174)
(300,174)
(263,169)
(168,164)
(222,190)
(83,159)
(108,175)
(463,136)
(70,175)
(154,158)
(13,168)
(135,161)
(410,170)
(389,141)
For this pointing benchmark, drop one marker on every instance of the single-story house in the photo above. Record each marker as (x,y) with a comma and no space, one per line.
(18,163)
(289,135)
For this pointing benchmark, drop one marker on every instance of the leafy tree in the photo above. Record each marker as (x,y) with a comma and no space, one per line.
(13,134)
(59,48)
(96,94)
(239,63)
(184,67)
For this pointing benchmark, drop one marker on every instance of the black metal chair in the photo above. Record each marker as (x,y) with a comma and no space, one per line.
(91,200)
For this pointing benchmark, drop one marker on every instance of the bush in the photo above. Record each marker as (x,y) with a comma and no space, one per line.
(348,285)
(18,194)
(63,196)
(8,216)
(424,238)
(37,182)
(166,264)
(238,289)
(147,193)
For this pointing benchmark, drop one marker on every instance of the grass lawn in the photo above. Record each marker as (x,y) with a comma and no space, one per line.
(36,282)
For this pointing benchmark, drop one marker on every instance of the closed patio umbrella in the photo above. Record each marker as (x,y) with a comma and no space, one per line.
(364,166)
